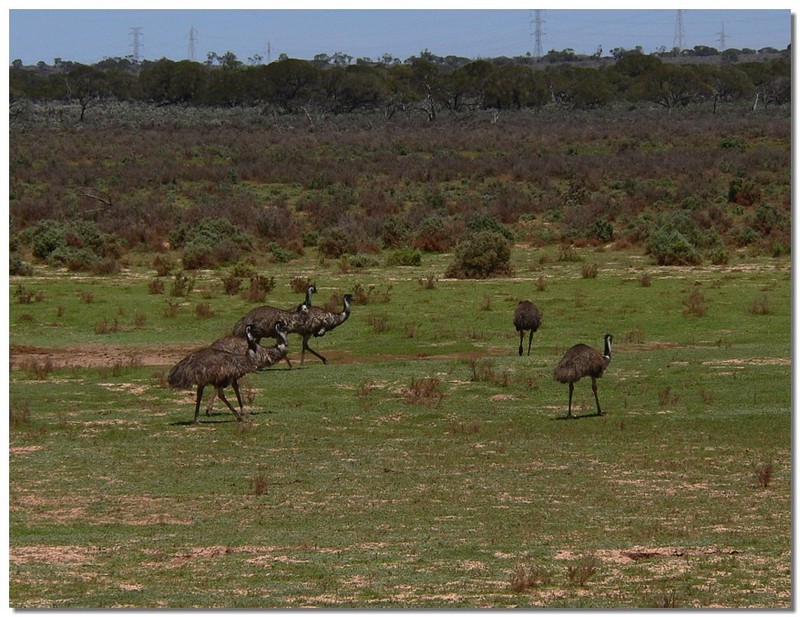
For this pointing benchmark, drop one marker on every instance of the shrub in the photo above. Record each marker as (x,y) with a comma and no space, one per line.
(182,285)
(763,472)
(334,242)
(523,577)
(669,247)
(17,267)
(280,254)
(163,265)
(432,235)
(481,255)
(589,271)
(695,303)
(581,571)
(210,242)
(76,244)
(155,287)
(485,222)
(406,256)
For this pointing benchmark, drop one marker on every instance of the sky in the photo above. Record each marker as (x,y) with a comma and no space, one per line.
(87,35)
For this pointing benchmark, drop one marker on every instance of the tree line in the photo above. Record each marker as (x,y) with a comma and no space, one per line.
(426,83)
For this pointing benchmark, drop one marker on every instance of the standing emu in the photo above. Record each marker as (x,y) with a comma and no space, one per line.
(220,368)
(580,361)
(319,321)
(527,317)
(265,317)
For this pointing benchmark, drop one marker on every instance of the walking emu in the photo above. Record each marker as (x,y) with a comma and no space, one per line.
(527,317)
(318,321)
(265,317)
(221,367)
(582,361)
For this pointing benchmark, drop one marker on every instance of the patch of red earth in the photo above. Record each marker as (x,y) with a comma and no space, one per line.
(98,355)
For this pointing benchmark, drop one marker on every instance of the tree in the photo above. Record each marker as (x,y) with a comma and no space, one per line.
(87,85)
(668,85)
(290,83)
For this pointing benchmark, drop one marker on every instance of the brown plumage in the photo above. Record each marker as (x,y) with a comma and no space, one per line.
(319,321)
(527,317)
(224,365)
(265,317)
(583,361)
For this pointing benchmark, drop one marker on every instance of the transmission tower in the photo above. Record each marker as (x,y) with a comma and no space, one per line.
(721,38)
(678,41)
(537,33)
(269,52)
(192,35)
(136,33)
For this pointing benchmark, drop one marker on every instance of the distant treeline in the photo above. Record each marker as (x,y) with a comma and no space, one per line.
(430,83)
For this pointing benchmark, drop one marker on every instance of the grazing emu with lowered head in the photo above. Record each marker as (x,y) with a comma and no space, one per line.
(221,368)
(527,317)
(265,317)
(319,321)
(581,361)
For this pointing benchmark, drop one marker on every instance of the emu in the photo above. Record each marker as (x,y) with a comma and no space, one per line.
(319,321)
(581,361)
(265,317)
(527,317)
(223,366)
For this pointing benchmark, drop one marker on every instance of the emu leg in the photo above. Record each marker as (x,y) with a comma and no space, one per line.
(197,404)
(235,385)
(569,409)
(597,400)
(211,402)
(306,347)
(521,338)
(227,402)
(530,340)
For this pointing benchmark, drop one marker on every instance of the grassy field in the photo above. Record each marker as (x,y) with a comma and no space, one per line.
(427,464)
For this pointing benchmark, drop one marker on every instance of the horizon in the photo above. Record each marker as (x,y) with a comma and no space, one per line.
(259,36)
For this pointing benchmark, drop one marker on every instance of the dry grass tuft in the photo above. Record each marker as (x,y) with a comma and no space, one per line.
(525,577)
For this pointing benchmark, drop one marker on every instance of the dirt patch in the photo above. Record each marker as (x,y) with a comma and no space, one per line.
(25,357)
(96,355)
(639,553)
(50,554)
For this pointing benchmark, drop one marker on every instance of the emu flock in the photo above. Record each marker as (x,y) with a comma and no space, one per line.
(231,357)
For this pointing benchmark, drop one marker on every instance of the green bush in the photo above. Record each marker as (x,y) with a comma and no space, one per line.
(406,256)
(76,244)
(669,247)
(210,242)
(17,267)
(481,255)
(486,222)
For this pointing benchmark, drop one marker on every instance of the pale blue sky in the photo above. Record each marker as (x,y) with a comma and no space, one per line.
(88,36)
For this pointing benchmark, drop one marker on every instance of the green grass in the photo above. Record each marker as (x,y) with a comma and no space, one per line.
(344,491)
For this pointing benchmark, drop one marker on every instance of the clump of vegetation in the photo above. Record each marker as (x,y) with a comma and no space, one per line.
(761,305)
(77,245)
(209,243)
(526,577)
(695,303)
(405,256)
(426,391)
(580,572)
(481,255)
(763,472)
